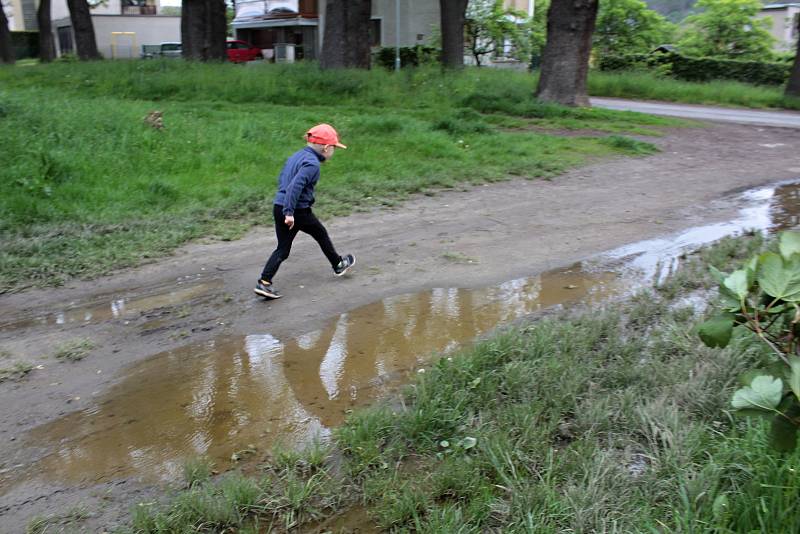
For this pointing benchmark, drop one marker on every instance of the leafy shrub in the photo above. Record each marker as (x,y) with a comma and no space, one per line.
(410,56)
(764,298)
(701,69)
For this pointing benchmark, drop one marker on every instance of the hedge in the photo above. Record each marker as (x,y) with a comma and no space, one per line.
(702,69)
(410,56)
(25,44)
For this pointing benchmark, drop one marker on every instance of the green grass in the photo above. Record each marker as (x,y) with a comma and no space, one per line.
(89,187)
(73,350)
(647,86)
(15,371)
(66,522)
(604,420)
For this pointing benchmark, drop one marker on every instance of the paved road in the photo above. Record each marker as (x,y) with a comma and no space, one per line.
(785,119)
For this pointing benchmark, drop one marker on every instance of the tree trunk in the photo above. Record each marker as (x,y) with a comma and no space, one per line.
(793,87)
(204,30)
(452,14)
(82,26)
(565,60)
(346,40)
(6,48)
(47,48)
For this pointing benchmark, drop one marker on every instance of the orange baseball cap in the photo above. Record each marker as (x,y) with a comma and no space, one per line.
(324,134)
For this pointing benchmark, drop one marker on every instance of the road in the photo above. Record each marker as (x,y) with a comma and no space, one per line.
(783,119)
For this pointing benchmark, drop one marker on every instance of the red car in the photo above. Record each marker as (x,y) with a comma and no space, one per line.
(242,51)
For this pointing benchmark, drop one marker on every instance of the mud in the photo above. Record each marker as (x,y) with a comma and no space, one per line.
(201,371)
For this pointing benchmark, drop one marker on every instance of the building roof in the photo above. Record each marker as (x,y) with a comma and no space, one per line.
(259,22)
(781,6)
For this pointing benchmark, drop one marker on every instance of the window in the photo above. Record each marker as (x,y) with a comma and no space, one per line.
(375,34)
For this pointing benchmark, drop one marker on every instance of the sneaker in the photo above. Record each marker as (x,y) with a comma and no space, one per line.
(345,263)
(266,290)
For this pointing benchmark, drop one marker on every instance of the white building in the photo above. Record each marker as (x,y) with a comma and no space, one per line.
(120,26)
(299,25)
(784,24)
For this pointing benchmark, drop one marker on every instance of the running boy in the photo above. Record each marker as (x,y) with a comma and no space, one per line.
(292,207)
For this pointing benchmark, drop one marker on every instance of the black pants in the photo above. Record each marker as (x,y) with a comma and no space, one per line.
(304,221)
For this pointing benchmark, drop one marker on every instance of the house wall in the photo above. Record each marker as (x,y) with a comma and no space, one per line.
(59,9)
(148,29)
(418,19)
(784,26)
(11,8)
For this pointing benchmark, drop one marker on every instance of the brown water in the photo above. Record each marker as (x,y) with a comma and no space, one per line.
(117,307)
(224,395)
(221,396)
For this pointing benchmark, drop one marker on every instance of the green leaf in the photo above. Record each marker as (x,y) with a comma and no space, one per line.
(794,377)
(716,332)
(763,393)
(789,244)
(720,506)
(783,434)
(468,443)
(737,282)
(752,264)
(777,279)
(718,275)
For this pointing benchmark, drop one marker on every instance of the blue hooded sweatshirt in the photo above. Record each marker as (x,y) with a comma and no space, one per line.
(297,180)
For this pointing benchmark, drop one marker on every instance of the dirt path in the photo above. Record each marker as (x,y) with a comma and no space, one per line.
(469,238)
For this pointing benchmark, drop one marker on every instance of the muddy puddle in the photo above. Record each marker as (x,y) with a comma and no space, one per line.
(239,395)
(117,307)
(223,396)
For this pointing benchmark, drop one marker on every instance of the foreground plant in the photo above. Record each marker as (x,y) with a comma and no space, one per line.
(764,298)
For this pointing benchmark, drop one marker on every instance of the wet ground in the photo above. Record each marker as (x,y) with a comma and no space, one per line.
(187,362)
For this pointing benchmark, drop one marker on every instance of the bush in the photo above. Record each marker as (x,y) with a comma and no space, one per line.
(702,69)
(410,56)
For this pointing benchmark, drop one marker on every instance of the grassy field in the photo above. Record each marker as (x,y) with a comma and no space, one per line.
(89,187)
(606,420)
(643,85)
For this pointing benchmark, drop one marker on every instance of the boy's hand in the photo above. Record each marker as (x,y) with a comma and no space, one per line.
(289,221)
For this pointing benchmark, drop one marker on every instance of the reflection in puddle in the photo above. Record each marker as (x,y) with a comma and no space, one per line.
(220,396)
(117,308)
(216,397)
(768,208)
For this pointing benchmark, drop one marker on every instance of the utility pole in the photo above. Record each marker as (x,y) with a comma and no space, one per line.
(397,36)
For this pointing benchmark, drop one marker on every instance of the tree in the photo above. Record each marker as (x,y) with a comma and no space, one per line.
(6,48)
(204,30)
(793,87)
(565,63)
(727,29)
(47,47)
(452,16)
(346,42)
(489,26)
(629,26)
(82,26)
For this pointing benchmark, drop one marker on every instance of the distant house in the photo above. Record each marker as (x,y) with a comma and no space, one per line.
(21,15)
(294,29)
(784,24)
(120,26)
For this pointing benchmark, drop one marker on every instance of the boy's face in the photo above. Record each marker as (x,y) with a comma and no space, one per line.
(327,151)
